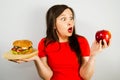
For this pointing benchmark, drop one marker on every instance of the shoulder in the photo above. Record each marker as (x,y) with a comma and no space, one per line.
(42,40)
(84,45)
(81,38)
(82,41)
(47,43)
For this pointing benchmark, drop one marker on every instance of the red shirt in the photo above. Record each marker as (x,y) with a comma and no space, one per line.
(62,60)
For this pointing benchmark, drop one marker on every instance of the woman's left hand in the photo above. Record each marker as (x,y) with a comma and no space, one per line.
(98,47)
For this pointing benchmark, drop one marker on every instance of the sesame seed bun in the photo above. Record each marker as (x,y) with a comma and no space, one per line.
(23,43)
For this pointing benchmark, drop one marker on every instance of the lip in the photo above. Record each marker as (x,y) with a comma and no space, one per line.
(70,30)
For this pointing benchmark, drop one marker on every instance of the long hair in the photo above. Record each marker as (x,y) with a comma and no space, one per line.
(51,16)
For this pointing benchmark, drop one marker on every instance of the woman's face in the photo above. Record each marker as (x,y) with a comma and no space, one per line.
(65,24)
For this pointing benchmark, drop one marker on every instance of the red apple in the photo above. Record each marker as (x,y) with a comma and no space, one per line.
(103,34)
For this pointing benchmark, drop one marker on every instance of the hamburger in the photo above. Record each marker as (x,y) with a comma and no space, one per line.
(22,47)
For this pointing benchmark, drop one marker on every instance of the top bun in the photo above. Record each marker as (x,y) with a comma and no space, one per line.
(22,43)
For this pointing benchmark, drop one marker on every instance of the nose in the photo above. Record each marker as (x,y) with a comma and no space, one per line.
(70,23)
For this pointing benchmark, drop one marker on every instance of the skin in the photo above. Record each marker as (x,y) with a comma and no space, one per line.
(63,23)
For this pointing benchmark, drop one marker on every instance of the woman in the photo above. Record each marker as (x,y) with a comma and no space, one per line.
(63,55)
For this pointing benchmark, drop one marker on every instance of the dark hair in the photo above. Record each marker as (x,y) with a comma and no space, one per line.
(51,16)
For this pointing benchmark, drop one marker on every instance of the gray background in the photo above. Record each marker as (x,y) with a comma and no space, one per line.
(25,19)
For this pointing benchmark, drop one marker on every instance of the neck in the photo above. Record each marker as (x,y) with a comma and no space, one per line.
(63,39)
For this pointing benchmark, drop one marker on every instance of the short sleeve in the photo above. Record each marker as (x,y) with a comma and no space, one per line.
(41,48)
(84,46)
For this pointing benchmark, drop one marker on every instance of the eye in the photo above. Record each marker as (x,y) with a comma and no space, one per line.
(63,18)
(71,18)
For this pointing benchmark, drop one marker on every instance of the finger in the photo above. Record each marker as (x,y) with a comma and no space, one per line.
(95,41)
(19,61)
(12,60)
(25,60)
(100,44)
(105,43)
(109,42)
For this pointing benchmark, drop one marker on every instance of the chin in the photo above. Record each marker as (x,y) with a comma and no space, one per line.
(70,35)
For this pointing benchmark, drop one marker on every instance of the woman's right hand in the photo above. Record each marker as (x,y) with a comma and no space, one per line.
(24,60)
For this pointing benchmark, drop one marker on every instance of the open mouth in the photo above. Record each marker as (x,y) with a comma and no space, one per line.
(70,30)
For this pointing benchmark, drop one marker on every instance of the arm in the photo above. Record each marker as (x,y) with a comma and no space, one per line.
(42,67)
(87,68)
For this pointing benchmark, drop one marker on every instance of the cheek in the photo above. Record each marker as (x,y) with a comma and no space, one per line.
(61,27)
